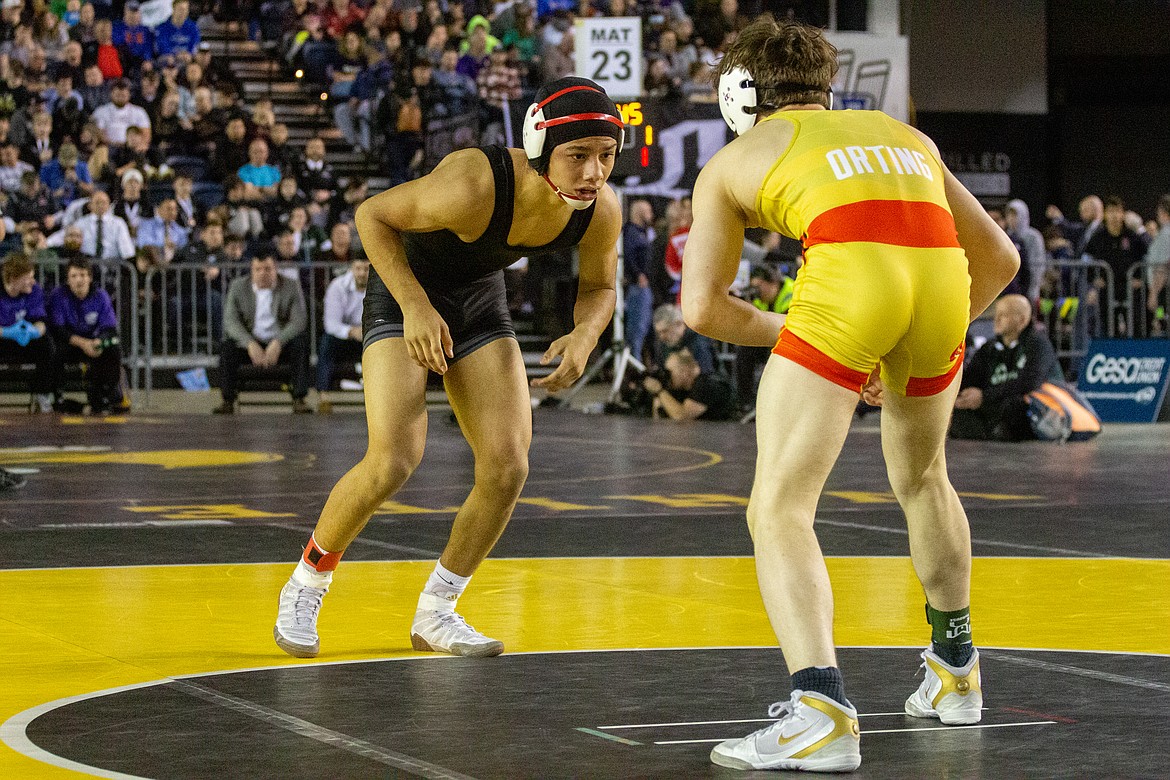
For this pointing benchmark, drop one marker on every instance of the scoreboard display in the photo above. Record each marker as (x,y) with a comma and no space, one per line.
(667,141)
(635,158)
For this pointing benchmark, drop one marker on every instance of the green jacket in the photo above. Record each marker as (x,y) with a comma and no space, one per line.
(783,299)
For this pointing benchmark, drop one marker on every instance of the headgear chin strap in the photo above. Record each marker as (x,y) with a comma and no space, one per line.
(739,100)
(580,204)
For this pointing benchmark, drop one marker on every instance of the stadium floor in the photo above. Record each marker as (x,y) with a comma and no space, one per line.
(142,563)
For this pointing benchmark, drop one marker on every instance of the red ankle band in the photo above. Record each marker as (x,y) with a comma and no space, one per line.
(320,560)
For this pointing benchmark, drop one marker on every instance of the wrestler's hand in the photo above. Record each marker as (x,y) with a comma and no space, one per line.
(574,354)
(872,392)
(428,340)
(969,398)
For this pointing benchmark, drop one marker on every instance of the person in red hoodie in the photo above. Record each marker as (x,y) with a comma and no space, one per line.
(109,60)
(680,217)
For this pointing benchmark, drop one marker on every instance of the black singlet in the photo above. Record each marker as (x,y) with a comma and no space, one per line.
(464,279)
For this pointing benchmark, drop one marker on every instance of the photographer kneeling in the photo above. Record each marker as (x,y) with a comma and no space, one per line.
(691,394)
(82,320)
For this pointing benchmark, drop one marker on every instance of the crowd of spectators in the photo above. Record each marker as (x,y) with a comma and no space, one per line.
(1107,297)
(124,140)
(390,69)
(1061,281)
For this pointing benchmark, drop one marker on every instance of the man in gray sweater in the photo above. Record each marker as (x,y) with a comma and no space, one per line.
(264,322)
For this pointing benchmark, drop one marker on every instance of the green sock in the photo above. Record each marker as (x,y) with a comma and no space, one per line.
(950,634)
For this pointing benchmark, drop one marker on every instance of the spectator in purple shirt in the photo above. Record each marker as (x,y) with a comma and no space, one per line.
(22,299)
(83,322)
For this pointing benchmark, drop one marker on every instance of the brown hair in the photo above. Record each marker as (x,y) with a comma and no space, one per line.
(16,266)
(791,63)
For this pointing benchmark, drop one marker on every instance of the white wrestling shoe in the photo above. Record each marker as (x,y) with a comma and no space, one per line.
(438,628)
(814,734)
(952,694)
(295,631)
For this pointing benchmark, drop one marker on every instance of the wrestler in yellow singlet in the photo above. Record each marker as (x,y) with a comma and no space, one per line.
(899,257)
(884,277)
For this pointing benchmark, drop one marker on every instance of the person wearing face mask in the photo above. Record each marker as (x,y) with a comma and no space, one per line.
(436,301)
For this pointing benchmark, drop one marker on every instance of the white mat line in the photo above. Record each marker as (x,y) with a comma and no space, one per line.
(884,731)
(719,722)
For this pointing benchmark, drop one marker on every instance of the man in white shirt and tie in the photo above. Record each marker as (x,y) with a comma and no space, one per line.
(104,236)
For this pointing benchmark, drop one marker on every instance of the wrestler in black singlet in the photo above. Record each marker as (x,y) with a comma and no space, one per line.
(465,281)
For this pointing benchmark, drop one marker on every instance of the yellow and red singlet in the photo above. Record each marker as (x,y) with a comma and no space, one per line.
(884,278)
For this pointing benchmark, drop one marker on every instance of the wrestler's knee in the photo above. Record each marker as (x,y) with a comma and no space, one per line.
(909,479)
(771,512)
(388,468)
(503,470)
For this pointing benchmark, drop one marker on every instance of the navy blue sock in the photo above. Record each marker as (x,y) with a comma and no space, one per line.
(825,680)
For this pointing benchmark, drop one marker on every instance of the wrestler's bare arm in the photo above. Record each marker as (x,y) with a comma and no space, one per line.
(451,197)
(714,247)
(598,267)
(596,295)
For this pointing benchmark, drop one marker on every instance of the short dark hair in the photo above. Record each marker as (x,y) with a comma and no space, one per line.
(1164,203)
(764,272)
(1116,201)
(81,263)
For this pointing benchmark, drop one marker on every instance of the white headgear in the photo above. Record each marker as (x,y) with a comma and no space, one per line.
(737,100)
(739,103)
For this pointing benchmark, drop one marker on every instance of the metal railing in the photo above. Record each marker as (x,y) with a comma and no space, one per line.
(171,317)
(183,323)
(1146,320)
(1076,305)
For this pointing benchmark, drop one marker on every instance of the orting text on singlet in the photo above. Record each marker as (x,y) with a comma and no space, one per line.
(852,160)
